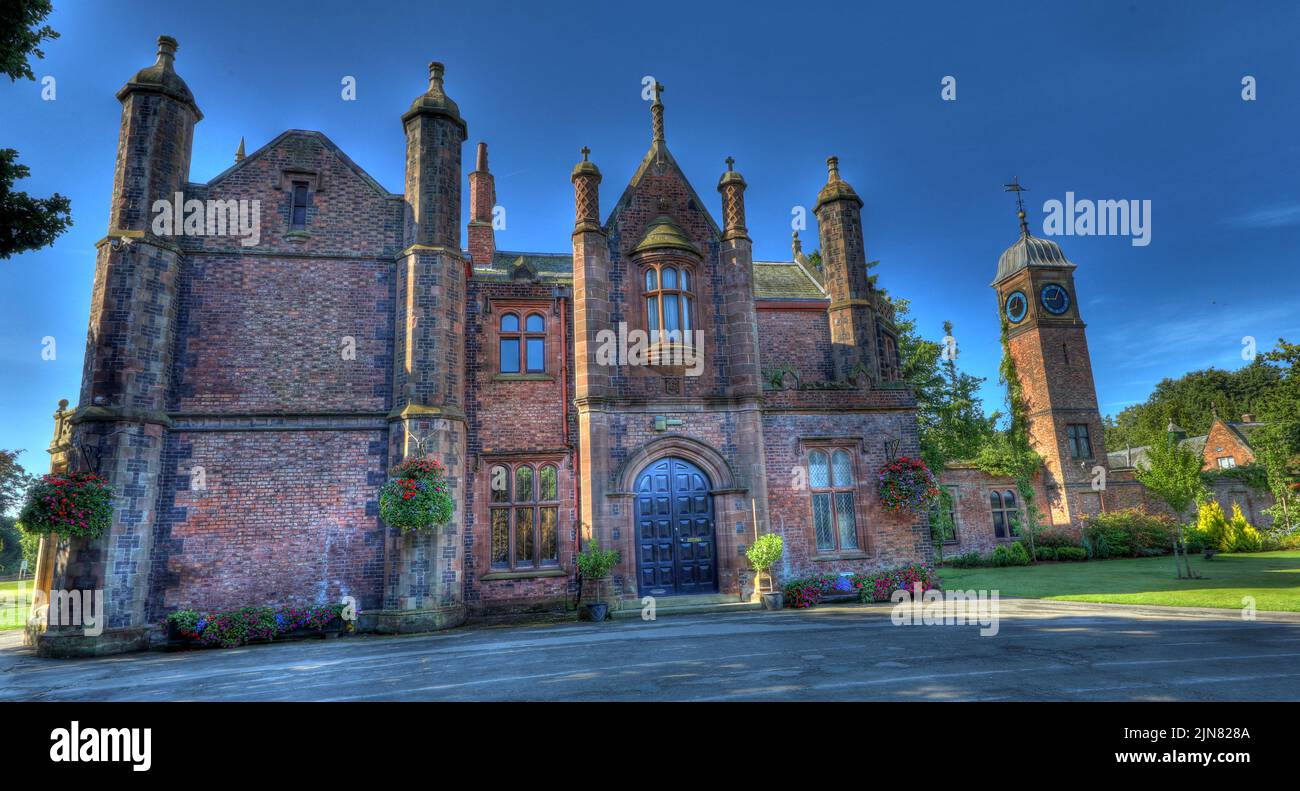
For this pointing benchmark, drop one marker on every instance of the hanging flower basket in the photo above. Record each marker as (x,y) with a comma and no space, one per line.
(416,496)
(906,484)
(74,504)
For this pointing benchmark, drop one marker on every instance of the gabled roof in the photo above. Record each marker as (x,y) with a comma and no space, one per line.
(1137,457)
(659,155)
(324,141)
(772,279)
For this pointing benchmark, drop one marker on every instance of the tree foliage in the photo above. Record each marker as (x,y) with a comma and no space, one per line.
(26,223)
(21,34)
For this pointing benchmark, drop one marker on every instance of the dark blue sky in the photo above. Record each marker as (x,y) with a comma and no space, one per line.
(1108,100)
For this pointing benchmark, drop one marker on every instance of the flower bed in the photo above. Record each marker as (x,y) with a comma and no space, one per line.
(74,504)
(810,591)
(880,585)
(906,484)
(233,628)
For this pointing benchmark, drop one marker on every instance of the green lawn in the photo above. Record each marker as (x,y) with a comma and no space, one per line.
(1273,578)
(13,609)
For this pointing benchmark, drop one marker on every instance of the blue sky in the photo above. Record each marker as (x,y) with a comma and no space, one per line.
(1107,100)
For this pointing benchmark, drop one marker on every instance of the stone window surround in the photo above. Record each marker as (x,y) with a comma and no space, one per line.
(1019,513)
(854,447)
(521,306)
(637,316)
(511,462)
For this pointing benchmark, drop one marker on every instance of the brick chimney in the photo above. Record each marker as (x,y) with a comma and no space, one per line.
(482,198)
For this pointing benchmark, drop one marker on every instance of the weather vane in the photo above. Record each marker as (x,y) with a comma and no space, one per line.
(1016,187)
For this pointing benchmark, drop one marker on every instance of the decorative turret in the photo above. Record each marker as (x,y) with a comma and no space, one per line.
(732,186)
(482,199)
(586,194)
(153,156)
(844,266)
(434,134)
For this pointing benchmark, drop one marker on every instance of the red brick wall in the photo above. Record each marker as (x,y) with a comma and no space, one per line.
(1223,441)
(286,517)
(885,539)
(801,338)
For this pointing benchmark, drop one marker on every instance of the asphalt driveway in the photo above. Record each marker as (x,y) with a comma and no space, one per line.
(1043,651)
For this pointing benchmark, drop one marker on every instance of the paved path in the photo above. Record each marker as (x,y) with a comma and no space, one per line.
(1043,651)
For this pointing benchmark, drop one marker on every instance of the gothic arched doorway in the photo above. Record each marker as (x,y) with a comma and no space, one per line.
(676,551)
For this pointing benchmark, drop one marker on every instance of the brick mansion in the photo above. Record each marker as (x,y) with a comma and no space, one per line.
(364,327)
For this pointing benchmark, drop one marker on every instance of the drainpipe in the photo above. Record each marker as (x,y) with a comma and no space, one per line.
(561,299)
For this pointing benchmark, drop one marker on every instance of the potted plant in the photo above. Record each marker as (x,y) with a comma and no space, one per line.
(594,564)
(71,505)
(764,554)
(417,496)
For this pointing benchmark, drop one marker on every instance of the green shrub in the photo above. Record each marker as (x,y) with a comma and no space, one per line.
(1129,532)
(1054,537)
(765,552)
(1046,553)
(1001,556)
(1212,527)
(967,560)
(1019,554)
(1245,538)
(1071,553)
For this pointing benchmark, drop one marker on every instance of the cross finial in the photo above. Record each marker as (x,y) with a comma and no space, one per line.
(730,161)
(585,152)
(658,89)
(1016,187)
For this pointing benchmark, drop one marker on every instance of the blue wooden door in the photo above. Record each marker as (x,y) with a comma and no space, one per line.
(674,522)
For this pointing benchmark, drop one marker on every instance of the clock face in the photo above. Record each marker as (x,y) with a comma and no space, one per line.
(1016,307)
(1055,298)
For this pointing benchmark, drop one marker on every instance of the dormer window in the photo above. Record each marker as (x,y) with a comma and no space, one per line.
(298,213)
(669,303)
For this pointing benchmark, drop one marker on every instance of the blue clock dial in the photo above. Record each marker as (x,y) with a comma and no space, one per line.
(1016,307)
(1055,298)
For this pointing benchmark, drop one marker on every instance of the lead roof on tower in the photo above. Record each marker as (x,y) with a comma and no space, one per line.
(663,232)
(1028,251)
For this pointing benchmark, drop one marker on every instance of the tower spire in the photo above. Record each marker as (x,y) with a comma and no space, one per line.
(1017,188)
(239,152)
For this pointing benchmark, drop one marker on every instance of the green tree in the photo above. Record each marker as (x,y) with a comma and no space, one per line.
(26,223)
(14,481)
(1174,475)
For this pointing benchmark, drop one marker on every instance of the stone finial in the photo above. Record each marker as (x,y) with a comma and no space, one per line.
(657,113)
(436,70)
(166,52)
(239,152)
(586,194)
(832,168)
(732,186)
(796,245)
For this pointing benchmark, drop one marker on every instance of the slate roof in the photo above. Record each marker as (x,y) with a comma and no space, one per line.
(1120,459)
(772,279)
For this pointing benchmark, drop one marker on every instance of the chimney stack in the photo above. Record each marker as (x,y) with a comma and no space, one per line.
(482,200)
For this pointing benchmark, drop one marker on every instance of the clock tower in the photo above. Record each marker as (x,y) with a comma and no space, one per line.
(1046,339)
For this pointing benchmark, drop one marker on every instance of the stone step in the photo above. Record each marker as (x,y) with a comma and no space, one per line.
(682,605)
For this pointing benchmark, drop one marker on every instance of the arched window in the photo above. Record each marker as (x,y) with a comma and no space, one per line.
(669,303)
(830,478)
(523,350)
(525,516)
(1006,514)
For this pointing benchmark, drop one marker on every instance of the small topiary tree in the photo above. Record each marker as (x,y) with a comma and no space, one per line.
(595,563)
(765,553)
